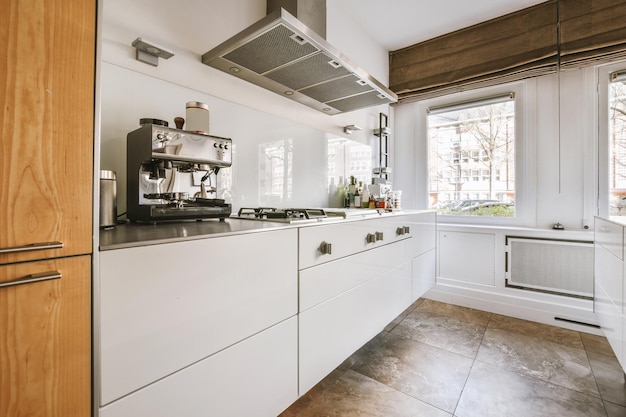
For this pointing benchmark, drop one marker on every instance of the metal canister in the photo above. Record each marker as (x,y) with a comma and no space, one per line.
(108,199)
(197,115)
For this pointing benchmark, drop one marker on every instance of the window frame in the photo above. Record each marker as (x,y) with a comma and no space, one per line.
(525,200)
(603,82)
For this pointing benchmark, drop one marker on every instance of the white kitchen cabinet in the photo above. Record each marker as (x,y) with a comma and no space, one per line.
(255,377)
(327,280)
(165,307)
(424,273)
(468,257)
(331,331)
(423,227)
(609,283)
(347,238)
(349,295)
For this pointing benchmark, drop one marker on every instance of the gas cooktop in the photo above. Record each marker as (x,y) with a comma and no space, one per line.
(301,215)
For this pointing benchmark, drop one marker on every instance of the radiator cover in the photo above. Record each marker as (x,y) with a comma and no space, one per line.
(560,267)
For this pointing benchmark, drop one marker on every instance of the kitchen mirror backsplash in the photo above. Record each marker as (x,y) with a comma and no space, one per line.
(275,162)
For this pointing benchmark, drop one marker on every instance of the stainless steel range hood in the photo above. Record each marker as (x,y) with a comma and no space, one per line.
(281,54)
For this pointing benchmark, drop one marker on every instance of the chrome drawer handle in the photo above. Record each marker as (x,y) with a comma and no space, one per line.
(326,248)
(379,236)
(44,276)
(370,238)
(32,246)
(400,231)
(407,229)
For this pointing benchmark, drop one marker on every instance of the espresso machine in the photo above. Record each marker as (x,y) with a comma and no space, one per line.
(172,174)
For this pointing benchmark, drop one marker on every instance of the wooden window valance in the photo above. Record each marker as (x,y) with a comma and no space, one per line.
(531,42)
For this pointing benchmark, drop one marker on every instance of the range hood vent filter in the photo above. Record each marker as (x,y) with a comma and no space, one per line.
(284,49)
(315,69)
(281,54)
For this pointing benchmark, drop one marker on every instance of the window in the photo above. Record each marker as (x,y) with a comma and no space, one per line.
(617,144)
(479,179)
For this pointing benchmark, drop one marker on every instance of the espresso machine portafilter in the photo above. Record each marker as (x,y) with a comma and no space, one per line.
(171,174)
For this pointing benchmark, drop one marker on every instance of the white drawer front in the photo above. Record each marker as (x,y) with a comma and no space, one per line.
(423,228)
(257,377)
(346,239)
(165,307)
(611,321)
(327,280)
(333,330)
(424,273)
(610,235)
(608,271)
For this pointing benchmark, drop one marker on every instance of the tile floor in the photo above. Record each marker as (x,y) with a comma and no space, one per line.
(441,360)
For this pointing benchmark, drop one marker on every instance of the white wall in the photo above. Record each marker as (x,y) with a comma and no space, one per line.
(192,27)
(248,114)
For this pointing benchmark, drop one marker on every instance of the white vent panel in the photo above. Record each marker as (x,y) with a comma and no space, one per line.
(553,266)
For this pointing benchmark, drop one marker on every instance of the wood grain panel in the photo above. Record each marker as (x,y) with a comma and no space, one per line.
(47,56)
(45,362)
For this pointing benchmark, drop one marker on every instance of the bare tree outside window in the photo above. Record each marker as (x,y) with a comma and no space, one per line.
(617,136)
(481,141)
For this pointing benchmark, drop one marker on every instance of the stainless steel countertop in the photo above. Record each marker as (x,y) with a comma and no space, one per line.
(137,234)
(130,235)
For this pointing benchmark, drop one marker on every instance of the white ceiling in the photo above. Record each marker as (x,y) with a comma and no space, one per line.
(396,24)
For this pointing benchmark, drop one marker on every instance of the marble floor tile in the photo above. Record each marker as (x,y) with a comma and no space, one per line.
(538,330)
(496,392)
(353,394)
(455,334)
(597,344)
(463,313)
(427,373)
(614,410)
(441,360)
(610,377)
(537,358)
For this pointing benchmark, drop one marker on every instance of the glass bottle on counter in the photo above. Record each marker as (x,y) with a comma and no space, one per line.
(365,196)
(340,194)
(351,191)
(332,193)
(357,195)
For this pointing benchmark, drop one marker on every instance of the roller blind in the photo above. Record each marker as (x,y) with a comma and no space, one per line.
(512,47)
(592,31)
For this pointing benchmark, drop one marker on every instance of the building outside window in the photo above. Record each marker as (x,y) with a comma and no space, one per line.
(471,161)
(617,144)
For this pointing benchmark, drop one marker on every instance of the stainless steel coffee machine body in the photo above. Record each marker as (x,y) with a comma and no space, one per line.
(172,174)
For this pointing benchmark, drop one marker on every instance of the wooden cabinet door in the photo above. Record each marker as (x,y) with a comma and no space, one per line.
(45,360)
(47,50)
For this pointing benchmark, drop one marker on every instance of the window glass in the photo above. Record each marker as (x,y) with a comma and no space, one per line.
(471,162)
(617,147)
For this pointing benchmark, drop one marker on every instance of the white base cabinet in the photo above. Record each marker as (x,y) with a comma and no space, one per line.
(256,377)
(349,295)
(424,273)
(163,308)
(422,248)
(331,331)
(242,325)
(609,283)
